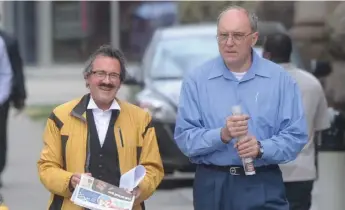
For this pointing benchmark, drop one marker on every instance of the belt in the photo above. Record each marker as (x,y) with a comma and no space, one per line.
(239,170)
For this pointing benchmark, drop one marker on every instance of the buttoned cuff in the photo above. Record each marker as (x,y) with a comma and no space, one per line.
(268,150)
(214,137)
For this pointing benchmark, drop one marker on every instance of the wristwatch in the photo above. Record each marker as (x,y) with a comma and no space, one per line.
(261,150)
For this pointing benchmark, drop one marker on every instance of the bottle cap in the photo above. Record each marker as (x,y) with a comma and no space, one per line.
(236,109)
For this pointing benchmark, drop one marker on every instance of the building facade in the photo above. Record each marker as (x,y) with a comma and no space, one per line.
(60,32)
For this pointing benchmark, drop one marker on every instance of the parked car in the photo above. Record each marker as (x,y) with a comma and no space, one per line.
(171,53)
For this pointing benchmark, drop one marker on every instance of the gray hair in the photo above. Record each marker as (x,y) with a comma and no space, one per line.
(107,51)
(253,19)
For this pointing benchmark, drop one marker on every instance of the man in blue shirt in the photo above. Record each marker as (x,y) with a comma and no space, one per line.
(273,122)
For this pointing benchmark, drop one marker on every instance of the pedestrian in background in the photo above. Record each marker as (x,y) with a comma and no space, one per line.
(6,76)
(273,122)
(18,91)
(299,175)
(99,135)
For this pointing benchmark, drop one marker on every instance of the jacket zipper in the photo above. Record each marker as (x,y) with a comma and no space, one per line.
(121,139)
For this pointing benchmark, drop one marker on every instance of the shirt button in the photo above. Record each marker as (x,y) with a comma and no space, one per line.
(100,155)
(100,166)
(100,176)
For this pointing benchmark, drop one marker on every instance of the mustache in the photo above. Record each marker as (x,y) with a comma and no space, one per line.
(106,85)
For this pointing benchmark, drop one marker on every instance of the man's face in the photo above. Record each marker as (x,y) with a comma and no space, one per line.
(104,79)
(235,37)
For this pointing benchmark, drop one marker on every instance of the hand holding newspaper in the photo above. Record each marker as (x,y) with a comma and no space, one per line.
(95,194)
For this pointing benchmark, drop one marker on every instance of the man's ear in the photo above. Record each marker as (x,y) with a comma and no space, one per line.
(86,75)
(266,55)
(255,38)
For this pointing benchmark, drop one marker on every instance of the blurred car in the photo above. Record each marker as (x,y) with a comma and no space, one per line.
(171,53)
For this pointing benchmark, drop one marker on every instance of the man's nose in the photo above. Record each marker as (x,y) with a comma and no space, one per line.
(230,41)
(107,79)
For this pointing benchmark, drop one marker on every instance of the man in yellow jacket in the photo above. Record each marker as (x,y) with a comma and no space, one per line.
(99,135)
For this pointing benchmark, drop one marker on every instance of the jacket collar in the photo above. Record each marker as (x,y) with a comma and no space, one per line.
(79,111)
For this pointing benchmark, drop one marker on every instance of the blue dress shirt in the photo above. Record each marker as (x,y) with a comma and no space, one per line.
(266,93)
(5,73)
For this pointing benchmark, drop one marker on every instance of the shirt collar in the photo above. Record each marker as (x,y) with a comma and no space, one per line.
(93,105)
(219,68)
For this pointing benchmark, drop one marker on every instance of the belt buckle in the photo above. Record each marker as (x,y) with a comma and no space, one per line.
(233,171)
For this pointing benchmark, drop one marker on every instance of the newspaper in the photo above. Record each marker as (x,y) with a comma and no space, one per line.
(95,194)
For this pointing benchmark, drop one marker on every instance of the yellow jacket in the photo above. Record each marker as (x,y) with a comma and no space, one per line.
(64,150)
(3,207)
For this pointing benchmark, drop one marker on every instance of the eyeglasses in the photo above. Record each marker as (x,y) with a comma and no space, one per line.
(236,37)
(103,75)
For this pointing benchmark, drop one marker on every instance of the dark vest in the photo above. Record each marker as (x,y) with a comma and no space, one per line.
(104,161)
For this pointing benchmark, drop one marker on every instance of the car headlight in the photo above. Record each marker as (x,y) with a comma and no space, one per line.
(158,109)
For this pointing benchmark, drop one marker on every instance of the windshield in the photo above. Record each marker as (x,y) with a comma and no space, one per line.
(174,57)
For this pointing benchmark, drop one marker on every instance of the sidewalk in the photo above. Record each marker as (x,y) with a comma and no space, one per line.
(22,188)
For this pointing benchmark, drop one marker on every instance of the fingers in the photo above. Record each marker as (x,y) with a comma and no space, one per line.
(238,131)
(245,142)
(136,192)
(249,154)
(235,118)
(247,147)
(237,125)
(75,180)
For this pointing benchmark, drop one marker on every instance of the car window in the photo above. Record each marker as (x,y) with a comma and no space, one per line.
(174,57)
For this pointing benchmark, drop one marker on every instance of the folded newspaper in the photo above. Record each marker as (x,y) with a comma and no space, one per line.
(95,194)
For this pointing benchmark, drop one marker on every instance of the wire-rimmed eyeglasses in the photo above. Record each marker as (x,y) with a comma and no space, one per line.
(103,75)
(236,37)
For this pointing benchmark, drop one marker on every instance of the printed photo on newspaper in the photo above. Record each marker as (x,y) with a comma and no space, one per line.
(95,194)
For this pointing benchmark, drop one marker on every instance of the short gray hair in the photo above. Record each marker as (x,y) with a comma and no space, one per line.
(107,51)
(253,19)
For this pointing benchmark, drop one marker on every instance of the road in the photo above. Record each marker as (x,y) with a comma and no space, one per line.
(22,188)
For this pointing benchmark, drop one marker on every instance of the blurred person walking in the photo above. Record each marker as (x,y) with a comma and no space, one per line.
(100,135)
(6,76)
(273,123)
(299,175)
(18,91)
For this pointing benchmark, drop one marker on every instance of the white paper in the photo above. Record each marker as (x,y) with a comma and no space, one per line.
(132,178)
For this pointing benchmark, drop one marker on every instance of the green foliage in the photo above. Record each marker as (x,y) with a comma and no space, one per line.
(39,112)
